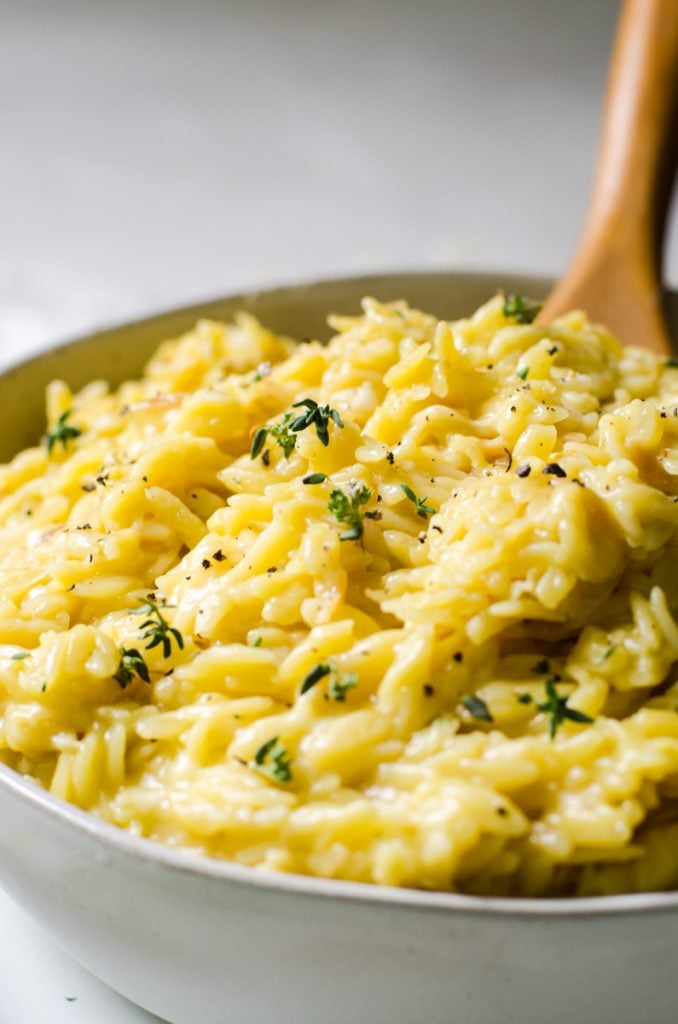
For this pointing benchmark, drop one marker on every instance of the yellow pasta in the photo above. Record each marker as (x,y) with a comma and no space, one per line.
(399,609)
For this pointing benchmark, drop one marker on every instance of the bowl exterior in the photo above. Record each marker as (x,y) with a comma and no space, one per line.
(210,944)
(200,947)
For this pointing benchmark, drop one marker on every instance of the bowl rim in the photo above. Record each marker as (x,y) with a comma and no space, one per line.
(120,841)
(123,843)
(294,288)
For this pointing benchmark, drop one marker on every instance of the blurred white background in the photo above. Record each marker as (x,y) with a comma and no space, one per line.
(156,153)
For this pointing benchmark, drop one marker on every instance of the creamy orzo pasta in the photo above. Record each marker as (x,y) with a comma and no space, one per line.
(400,608)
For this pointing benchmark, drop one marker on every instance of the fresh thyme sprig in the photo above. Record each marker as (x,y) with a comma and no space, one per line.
(346,508)
(281,433)
(157,628)
(131,664)
(284,432)
(338,684)
(555,708)
(320,415)
(62,432)
(520,309)
(423,510)
(272,759)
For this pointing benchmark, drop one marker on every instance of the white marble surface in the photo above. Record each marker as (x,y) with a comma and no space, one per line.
(155,153)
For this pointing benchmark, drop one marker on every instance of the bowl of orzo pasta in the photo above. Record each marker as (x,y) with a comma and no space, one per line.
(338,644)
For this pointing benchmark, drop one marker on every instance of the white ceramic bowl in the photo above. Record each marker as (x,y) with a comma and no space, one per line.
(204,942)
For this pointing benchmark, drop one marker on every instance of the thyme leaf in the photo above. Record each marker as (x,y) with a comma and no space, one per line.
(423,510)
(258,442)
(290,424)
(314,676)
(346,508)
(318,415)
(272,759)
(522,310)
(157,628)
(281,434)
(62,432)
(340,684)
(555,708)
(131,664)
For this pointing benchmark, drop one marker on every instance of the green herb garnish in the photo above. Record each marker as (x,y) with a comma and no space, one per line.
(520,309)
(131,664)
(477,707)
(314,676)
(20,656)
(340,684)
(314,478)
(346,508)
(258,442)
(62,433)
(257,640)
(523,372)
(423,510)
(158,630)
(280,432)
(271,759)
(555,708)
(284,432)
(318,415)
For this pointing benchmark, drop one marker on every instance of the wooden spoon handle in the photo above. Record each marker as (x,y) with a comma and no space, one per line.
(616,274)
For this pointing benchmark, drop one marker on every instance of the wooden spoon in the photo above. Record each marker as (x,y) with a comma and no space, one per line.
(616,273)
